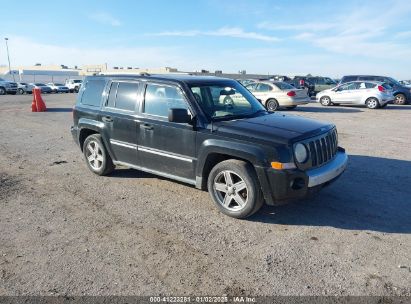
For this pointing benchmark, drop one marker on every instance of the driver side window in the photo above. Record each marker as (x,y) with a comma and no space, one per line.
(160,98)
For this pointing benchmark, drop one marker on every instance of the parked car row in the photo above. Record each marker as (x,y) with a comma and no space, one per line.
(372,91)
(70,86)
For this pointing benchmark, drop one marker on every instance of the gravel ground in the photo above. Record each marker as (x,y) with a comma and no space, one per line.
(65,231)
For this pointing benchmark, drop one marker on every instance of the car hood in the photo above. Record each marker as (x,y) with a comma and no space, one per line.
(273,127)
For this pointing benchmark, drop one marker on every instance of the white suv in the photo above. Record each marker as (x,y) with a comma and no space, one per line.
(73,84)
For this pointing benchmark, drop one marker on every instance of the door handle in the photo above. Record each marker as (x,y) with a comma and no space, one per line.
(146,126)
(107,119)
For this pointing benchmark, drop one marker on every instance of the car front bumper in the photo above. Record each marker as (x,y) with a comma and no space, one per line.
(281,186)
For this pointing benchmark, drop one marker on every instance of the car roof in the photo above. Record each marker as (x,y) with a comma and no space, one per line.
(179,78)
(363,76)
(369,81)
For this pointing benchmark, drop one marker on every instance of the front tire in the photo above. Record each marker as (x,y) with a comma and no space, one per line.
(2,91)
(372,103)
(325,101)
(233,185)
(272,105)
(97,158)
(20,91)
(400,99)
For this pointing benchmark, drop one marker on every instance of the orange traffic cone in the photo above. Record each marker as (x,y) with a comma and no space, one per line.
(41,106)
(33,104)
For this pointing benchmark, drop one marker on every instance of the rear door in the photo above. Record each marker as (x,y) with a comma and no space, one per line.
(163,146)
(118,116)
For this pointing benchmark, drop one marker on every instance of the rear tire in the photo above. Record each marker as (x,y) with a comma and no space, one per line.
(272,105)
(20,91)
(2,91)
(372,103)
(97,158)
(325,101)
(400,99)
(233,185)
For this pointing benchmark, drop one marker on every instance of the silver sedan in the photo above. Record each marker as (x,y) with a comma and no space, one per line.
(370,93)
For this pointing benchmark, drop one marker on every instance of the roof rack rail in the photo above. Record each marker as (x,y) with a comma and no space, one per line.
(145,74)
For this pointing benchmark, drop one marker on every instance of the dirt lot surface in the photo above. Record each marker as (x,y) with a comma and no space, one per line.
(65,231)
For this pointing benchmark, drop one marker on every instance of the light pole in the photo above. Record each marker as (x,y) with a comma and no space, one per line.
(8,57)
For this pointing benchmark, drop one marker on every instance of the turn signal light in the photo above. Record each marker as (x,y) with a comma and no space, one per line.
(282,166)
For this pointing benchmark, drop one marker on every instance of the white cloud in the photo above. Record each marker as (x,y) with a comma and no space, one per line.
(105,18)
(233,32)
(310,26)
(355,32)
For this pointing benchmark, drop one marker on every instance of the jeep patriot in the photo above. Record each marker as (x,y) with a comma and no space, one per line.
(206,131)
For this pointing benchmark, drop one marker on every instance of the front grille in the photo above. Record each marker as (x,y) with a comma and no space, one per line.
(322,148)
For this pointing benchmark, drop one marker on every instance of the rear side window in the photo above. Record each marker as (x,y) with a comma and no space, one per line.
(92,93)
(370,85)
(160,98)
(126,96)
(123,95)
(262,87)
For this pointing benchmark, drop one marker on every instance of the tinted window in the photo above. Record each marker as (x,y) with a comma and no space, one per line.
(366,78)
(329,81)
(320,81)
(348,78)
(160,98)
(370,85)
(126,96)
(284,86)
(92,93)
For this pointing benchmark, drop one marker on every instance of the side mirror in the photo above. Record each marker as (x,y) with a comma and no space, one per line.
(179,116)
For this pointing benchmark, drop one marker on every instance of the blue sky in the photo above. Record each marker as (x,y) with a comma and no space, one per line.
(330,38)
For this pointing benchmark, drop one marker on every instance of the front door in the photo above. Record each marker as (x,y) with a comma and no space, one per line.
(346,93)
(163,146)
(119,119)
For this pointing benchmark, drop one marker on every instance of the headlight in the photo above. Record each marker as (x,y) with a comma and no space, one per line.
(300,153)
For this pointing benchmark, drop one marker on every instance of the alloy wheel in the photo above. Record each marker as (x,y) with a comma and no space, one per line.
(94,155)
(231,190)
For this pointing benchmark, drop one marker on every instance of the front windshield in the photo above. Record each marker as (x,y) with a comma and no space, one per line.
(394,81)
(230,101)
(77,81)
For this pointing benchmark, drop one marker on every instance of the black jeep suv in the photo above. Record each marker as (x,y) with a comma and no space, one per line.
(206,131)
